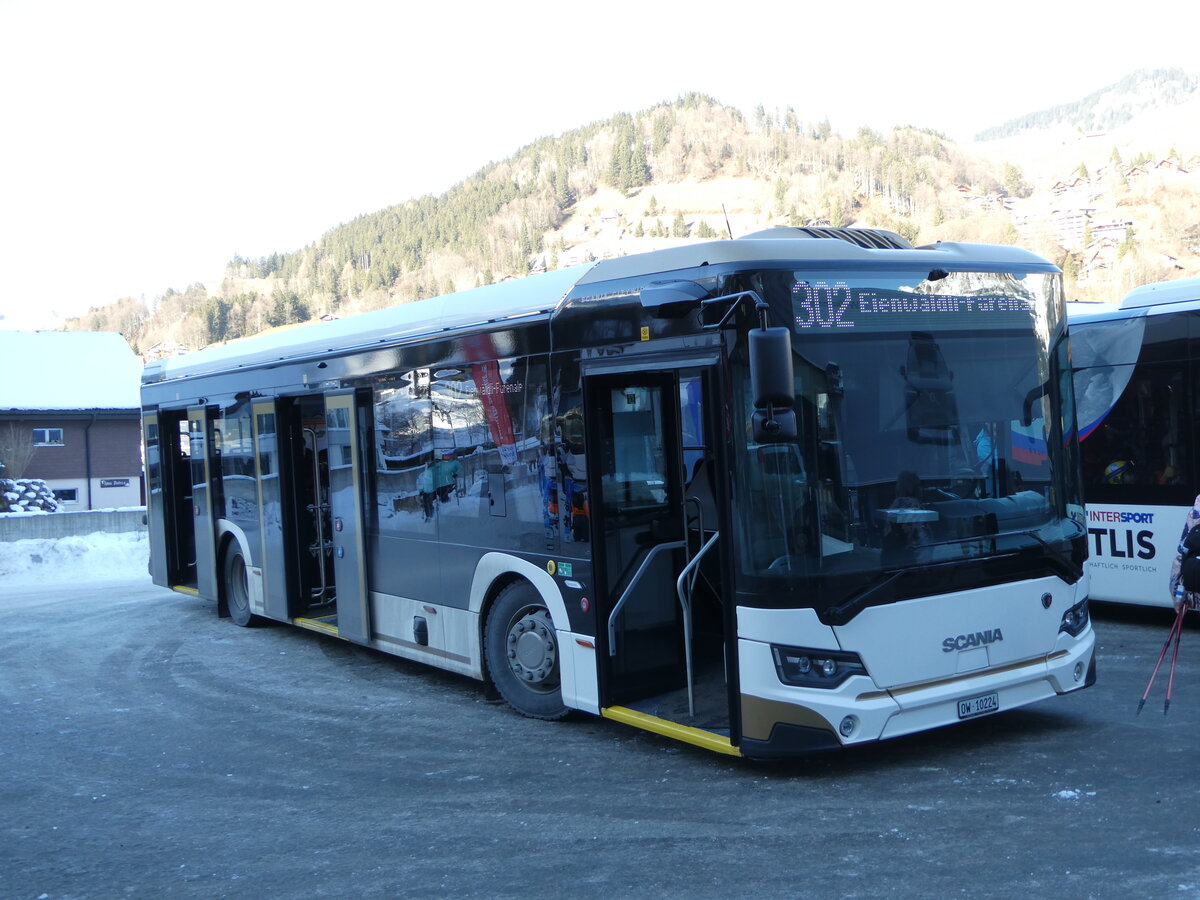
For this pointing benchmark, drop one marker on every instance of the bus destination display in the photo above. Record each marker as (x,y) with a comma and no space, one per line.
(820,305)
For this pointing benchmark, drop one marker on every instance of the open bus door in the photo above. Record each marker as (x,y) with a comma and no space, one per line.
(655,483)
(163,456)
(278,582)
(344,436)
(320,440)
(198,471)
(168,439)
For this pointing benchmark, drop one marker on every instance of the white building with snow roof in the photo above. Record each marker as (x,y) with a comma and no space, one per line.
(74,396)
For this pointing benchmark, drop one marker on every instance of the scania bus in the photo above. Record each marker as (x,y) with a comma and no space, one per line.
(1138,395)
(790,492)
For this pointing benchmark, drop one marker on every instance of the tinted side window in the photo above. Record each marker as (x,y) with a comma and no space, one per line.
(1142,452)
(1166,338)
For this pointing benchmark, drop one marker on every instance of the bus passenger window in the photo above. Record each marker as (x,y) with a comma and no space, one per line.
(1141,451)
(638,466)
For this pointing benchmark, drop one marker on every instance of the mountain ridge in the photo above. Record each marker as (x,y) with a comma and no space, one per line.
(690,168)
(1109,107)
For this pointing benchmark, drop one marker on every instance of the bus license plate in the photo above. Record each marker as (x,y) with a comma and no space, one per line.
(978,706)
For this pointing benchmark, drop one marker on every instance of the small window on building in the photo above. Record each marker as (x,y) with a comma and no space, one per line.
(47,437)
(67,495)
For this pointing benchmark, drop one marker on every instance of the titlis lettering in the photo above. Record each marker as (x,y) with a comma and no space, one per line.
(967,641)
(1110,542)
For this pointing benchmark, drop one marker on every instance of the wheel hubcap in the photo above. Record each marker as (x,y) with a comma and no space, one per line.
(532,651)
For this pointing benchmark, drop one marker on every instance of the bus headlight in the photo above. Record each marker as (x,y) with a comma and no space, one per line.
(1075,619)
(803,667)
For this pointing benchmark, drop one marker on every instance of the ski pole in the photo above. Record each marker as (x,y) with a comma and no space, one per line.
(1174,659)
(1162,654)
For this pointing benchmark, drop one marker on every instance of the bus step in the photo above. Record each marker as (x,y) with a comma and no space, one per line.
(698,737)
(323,624)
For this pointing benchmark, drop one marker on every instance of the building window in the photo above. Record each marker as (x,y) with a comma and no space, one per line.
(67,495)
(47,437)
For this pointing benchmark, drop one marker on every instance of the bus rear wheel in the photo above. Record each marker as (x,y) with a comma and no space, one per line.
(237,587)
(521,648)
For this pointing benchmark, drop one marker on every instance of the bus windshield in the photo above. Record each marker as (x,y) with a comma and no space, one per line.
(926,437)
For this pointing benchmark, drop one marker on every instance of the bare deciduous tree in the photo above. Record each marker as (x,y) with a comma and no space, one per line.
(16,449)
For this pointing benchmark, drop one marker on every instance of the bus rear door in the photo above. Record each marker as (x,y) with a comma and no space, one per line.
(201,434)
(344,436)
(169,499)
(277,585)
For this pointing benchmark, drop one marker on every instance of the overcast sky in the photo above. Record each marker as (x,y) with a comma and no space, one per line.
(144,144)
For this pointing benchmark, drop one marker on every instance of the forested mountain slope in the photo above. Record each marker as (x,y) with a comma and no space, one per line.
(697,169)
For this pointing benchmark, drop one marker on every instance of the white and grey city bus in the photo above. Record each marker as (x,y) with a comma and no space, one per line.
(1138,398)
(794,491)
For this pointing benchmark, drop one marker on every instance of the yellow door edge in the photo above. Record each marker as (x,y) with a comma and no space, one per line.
(184,589)
(686,733)
(316,625)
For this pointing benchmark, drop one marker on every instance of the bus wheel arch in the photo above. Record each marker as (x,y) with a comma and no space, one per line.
(521,650)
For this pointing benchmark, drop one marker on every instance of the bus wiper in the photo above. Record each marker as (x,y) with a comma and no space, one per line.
(844,612)
(1032,534)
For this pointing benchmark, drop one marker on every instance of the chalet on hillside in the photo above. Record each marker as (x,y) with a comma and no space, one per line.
(163,349)
(70,409)
(1114,230)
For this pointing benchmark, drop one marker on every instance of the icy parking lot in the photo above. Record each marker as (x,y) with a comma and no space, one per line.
(150,749)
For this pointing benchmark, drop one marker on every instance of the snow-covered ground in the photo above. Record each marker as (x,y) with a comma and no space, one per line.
(74,560)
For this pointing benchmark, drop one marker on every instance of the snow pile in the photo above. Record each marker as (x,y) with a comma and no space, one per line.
(78,559)
(26,495)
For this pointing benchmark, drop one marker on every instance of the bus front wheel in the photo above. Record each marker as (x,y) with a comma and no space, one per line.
(522,653)
(237,586)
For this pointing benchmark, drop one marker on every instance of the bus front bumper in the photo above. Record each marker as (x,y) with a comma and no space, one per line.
(780,720)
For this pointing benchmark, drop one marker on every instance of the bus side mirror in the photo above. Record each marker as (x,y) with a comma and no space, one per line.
(773,385)
(774,426)
(1031,398)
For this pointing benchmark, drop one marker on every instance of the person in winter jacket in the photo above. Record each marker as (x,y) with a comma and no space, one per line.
(1180,596)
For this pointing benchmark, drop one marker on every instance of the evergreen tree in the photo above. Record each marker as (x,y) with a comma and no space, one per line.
(1069,263)
(1128,246)
(1014,181)
(639,167)
(661,133)
(286,309)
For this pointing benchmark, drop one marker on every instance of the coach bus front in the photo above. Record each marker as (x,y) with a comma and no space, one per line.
(915,556)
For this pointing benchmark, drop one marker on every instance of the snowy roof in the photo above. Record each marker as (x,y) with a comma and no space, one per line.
(67,370)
